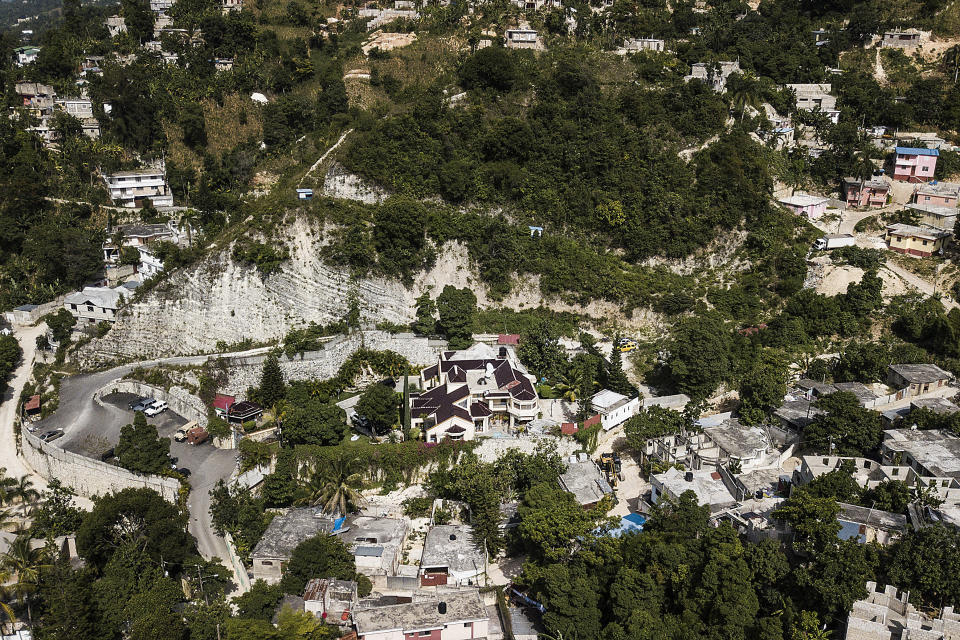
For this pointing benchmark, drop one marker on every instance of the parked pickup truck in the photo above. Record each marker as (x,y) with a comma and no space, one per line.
(181,434)
(142,404)
(197,435)
(834,242)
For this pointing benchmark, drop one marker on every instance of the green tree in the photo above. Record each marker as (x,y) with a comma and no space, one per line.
(69,612)
(141,449)
(398,235)
(541,352)
(318,423)
(699,357)
(322,555)
(57,514)
(193,125)
(139,516)
(378,405)
(813,520)
(653,422)
(763,387)
(926,562)
(616,378)
(426,323)
(10,355)
(457,308)
(335,486)
(551,522)
(138,18)
(272,387)
(845,428)
(259,602)
(60,324)
(889,495)
(682,517)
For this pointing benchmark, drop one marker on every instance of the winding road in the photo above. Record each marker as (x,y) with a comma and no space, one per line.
(87,424)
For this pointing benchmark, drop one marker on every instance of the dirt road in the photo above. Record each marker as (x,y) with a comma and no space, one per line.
(13,463)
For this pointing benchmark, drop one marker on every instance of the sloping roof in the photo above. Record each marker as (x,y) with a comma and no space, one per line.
(920,373)
(32,404)
(288,530)
(102,297)
(508,338)
(803,200)
(223,402)
(917,151)
(909,230)
(479,409)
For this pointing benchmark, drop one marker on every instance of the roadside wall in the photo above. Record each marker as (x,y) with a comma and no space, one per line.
(23,318)
(180,400)
(87,476)
(324,363)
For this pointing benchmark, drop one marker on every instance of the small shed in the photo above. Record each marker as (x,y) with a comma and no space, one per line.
(32,406)
(304,194)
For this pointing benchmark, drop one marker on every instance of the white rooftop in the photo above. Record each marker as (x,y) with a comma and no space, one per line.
(707,485)
(803,200)
(606,400)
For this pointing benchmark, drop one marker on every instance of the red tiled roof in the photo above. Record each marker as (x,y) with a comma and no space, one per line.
(223,402)
(508,338)
(32,404)
(568,428)
(589,422)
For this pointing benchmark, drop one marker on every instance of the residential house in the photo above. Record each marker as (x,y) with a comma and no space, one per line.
(816,97)
(888,615)
(812,207)
(522,39)
(714,74)
(149,265)
(245,411)
(916,379)
(634,45)
(865,193)
(729,441)
(943,218)
(812,389)
(450,557)
(330,599)
(26,55)
(95,304)
(132,188)
(470,391)
(456,615)
(223,64)
(81,109)
(936,193)
(534,5)
(91,64)
(283,534)
(708,486)
(914,164)
(137,236)
(867,525)
(161,6)
(613,408)
(796,415)
(375,543)
(115,25)
(933,455)
(585,481)
(901,39)
(226,6)
(37,98)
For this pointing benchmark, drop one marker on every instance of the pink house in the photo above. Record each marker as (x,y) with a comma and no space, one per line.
(865,193)
(936,194)
(915,164)
(813,207)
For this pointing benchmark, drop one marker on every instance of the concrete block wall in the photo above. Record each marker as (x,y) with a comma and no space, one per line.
(180,400)
(87,476)
(324,363)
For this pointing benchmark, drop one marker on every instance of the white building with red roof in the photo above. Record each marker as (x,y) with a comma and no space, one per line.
(468,392)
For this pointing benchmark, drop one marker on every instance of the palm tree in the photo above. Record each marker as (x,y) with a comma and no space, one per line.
(335,487)
(6,609)
(22,491)
(744,93)
(24,563)
(187,220)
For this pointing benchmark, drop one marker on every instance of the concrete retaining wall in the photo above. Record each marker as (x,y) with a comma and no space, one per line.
(26,318)
(87,476)
(324,363)
(180,400)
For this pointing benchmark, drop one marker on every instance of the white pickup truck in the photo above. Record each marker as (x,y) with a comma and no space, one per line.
(155,409)
(834,242)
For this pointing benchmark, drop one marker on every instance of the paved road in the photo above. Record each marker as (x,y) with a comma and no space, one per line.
(90,429)
(14,464)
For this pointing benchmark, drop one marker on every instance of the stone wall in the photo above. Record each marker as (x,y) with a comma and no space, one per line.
(181,401)
(87,476)
(324,363)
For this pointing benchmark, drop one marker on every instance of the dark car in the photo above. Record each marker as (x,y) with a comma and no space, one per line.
(184,472)
(142,405)
(50,436)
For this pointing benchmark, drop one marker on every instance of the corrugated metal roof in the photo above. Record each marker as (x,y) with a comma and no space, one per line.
(916,151)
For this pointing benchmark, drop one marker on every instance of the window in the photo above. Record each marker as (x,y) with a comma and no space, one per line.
(924,243)
(927,198)
(74,307)
(267,563)
(89,307)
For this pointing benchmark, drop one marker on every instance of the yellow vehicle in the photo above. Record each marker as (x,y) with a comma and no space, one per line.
(628,346)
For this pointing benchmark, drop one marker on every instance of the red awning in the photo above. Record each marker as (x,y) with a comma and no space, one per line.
(508,338)
(33,404)
(223,402)
(589,422)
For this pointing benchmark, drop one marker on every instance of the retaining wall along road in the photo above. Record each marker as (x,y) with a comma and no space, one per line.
(181,401)
(87,476)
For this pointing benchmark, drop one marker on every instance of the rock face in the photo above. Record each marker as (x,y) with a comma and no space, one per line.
(340,183)
(221,300)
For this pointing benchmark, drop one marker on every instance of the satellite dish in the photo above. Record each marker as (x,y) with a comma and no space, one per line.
(489,369)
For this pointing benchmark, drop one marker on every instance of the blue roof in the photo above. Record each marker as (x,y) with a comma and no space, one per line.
(914,151)
(338,523)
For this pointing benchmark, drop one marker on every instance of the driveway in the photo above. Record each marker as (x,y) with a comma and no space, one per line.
(9,460)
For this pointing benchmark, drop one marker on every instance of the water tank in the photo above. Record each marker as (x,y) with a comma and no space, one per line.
(442,608)
(688,476)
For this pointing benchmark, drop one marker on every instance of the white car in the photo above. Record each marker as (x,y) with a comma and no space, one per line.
(155,409)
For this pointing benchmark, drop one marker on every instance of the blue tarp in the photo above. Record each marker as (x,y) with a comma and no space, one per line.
(338,523)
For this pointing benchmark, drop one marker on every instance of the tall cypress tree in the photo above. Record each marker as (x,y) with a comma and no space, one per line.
(616,378)
(272,388)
